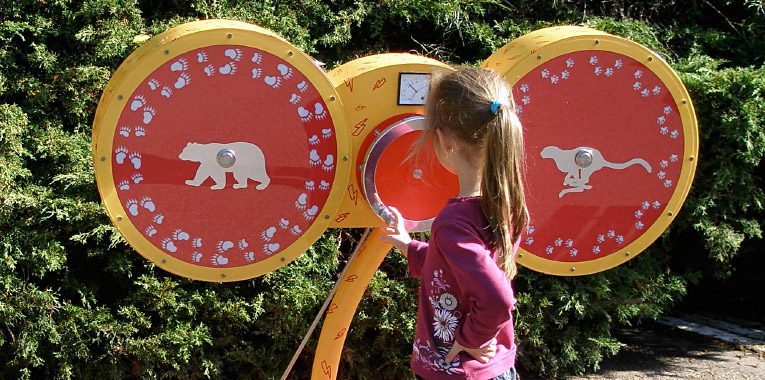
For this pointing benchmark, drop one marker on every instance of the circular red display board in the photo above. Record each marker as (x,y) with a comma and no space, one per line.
(415,183)
(223,157)
(610,140)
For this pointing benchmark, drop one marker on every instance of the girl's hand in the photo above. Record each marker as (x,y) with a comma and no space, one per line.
(397,234)
(482,354)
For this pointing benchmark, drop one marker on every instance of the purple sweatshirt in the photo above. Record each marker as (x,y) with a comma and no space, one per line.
(464,295)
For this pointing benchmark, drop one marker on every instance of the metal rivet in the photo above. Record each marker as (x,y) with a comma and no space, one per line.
(283,259)
(650,59)
(417,173)
(119,218)
(222,275)
(520,255)
(345,158)
(103,158)
(226,158)
(120,97)
(332,98)
(690,158)
(229,36)
(290,53)
(684,101)
(597,42)
(573,269)
(326,216)
(167,52)
(164,261)
(670,213)
(539,57)
(626,253)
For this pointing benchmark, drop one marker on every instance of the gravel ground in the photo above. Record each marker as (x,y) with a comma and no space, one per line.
(655,351)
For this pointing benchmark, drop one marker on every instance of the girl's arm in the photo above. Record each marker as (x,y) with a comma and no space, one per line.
(413,250)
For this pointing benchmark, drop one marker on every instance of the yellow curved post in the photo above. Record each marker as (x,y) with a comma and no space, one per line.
(340,312)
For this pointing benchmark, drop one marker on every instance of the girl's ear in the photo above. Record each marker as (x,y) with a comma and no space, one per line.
(446,141)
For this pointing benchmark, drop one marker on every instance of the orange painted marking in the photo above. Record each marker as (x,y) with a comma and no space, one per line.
(380,82)
(341,333)
(353,192)
(342,217)
(351,278)
(332,308)
(326,368)
(360,107)
(349,84)
(360,126)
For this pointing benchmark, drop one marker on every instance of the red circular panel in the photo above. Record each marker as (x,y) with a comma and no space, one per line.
(170,163)
(418,186)
(621,113)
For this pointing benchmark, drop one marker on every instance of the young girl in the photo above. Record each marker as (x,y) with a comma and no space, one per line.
(464,321)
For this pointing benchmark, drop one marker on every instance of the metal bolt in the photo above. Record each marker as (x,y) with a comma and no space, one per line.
(690,158)
(650,59)
(167,52)
(539,57)
(583,158)
(222,275)
(326,216)
(164,261)
(103,158)
(332,98)
(119,218)
(417,173)
(684,101)
(229,36)
(626,253)
(283,259)
(597,42)
(345,157)
(520,255)
(226,158)
(290,53)
(670,213)
(120,97)
(573,269)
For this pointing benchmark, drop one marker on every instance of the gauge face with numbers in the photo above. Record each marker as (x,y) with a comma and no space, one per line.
(413,88)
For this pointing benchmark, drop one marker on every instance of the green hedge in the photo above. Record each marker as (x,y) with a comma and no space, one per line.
(77,302)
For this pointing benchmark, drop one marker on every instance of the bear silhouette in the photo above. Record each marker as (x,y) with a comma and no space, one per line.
(250,164)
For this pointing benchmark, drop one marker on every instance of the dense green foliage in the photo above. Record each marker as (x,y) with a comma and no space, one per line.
(77,302)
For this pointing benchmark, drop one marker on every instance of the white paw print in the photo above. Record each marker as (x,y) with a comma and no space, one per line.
(656,90)
(310,185)
(661,175)
(302,201)
(565,74)
(596,249)
(524,88)
(296,230)
(219,259)
(639,225)
(530,229)
(180,65)
(148,115)
(124,185)
(294,98)
(196,257)
(242,244)
(125,131)
(601,238)
(158,218)
(526,100)
(138,102)
(140,131)
(284,70)
(329,163)
(549,250)
(593,60)
(196,243)
(656,205)
(271,248)
(637,85)
(256,73)
(305,115)
(228,69)
(529,240)
(235,54)
(310,214)
(319,111)
(663,130)
(668,183)
(620,239)
(554,79)
(611,234)
(257,58)
(179,234)
(673,158)
(609,72)
(638,74)
(224,246)
(284,223)
(326,133)
(645,205)
(151,231)
(597,70)
(268,233)
(323,185)
(661,120)
(313,157)
(573,252)
(209,70)
(314,140)
(148,204)
(569,243)
(169,246)
(274,82)
(119,154)
(570,62)
(618,64)
(249,256)
(667,110)
(663,163)
(183,80)
(132,206)
(674,134)
(644,93)
(558,242)
(153,84)
(545,73)
(302,86)
(135,159)
(202,57)
(638,214)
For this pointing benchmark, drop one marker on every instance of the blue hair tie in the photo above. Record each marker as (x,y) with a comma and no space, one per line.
(496,106)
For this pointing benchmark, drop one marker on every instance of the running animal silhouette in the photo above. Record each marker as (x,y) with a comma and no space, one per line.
(577,176)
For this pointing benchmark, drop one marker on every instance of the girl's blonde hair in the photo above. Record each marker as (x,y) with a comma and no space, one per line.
(476,106)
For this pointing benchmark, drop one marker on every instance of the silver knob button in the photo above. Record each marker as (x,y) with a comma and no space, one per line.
(226,158)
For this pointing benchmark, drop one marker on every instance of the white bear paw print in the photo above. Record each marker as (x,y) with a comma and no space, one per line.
(269,249)
(268,233)
(219,259)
